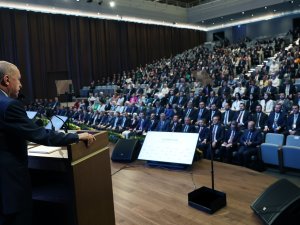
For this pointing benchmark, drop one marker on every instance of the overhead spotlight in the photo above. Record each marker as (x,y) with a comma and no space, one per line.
(112,4)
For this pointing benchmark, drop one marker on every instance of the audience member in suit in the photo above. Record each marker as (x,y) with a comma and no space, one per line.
(163,124)
(212,99)
(296,100)
(276,121)
(115,123)
(124,122)
(251,104)
(202,97)
(15,130)
(142,125)
(172,98)
(190,112)
(293,122)
(288,89)
(260,119)
(216,136)
(230,143)
(206,90)
(169,112)
(152,123)
(203,137)
(227,115)
(249,141)
(272,91)
(253,89)
(267,104)
(175,125)
(285,103)
(203,112)
(188,127)
(158,110)
(242,116)
(224,89)
(181,100)
(213,112)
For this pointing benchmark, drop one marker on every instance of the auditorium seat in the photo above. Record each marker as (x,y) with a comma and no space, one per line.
(270,150)
(291,152)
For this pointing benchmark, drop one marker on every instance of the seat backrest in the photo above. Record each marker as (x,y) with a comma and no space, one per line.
(293,140)
(276,139)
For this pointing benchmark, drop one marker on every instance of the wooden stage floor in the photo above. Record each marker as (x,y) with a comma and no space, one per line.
(145,195)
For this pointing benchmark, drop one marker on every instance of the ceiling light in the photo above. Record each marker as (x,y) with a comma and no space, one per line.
(266,7)
(112,4)
(274,10)
(243,13)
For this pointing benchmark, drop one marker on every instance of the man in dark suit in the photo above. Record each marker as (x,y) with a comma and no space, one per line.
(163,124)
(253,89)
(249,141)
(293,122)
(296,100)
(188,127)
(276,121)
(203,112)
(288,89)
(15,129)
(203,137)
(242,116)
(142,125)
(190,112)
(214,112)
(259,118)
(216,136)
(230,143)
(272,91)
(175,126)
(227,115)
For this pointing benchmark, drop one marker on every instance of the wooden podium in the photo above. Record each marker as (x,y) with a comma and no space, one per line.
(73,186)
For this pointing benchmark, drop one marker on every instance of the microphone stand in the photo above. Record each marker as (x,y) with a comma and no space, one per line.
(208,199)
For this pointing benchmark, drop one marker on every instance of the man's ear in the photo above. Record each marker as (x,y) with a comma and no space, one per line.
(5,81)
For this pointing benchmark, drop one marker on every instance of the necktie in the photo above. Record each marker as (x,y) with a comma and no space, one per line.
(188,113)
(287,90)
(249,136)
(186,128)
(231,136)
(173,128)
(212,114)
(214,132)
(200,113)
(240,117)
(268,89)
(295,121)
(258,119)
(226,117)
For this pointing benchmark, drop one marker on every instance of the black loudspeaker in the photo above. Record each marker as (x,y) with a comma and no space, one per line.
(279,204)
(126,150)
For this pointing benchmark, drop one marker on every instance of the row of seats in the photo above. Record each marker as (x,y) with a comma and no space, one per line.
(275,152)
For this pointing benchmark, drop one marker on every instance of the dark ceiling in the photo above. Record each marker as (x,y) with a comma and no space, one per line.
(284,7)
(182,3)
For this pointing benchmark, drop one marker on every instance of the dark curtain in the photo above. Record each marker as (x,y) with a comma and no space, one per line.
(49,47)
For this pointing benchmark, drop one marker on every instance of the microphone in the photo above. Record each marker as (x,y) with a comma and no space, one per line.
(50,113)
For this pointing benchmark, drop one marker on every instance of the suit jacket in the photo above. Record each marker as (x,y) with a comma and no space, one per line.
(263,118)
(219,133)
(255,137)
(236,136)
(162,125)
(255,92)
(230,116)
(273,91)
(292,89)
(175,127)
(204,115)
(216,113)
(192,114)
(281,122)
(245,118)
(204,134)
(15,129)
(290,122)
(190,129)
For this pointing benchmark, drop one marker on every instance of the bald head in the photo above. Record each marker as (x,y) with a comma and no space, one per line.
(10,79)
(7,68)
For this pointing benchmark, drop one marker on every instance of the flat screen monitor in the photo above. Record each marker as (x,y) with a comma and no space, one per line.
(169,147)
(31,114)
(57,121)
